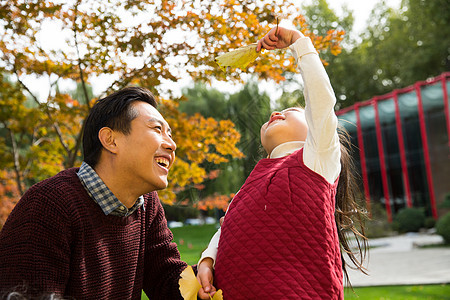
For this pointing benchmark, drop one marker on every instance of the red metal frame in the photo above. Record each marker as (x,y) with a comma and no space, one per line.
(362,155)
(447,112)
(382,160)
(426,152)
(443,77)
(401,146)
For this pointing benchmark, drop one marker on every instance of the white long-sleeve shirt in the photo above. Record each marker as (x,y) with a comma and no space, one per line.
(321,151)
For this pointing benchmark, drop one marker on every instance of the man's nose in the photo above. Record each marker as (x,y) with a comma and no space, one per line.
(169,144)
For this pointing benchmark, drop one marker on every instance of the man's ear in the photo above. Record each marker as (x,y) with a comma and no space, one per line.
(108,139)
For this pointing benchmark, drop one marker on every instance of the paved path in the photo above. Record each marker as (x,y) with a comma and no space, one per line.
(399,261)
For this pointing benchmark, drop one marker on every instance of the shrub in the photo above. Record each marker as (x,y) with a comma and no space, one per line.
(378,225)
(430,222)
(443,227)
(180,212)
(446,202)
(410,219)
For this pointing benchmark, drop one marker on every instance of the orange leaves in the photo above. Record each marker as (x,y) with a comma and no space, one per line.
(214,201)
(210,140)
(199,140)
(331,41)
(213,174)
(9,195)
(246,23)
(102,37)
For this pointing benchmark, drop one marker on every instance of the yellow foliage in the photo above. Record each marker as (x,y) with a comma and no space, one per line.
(199,140)
(189,286)
(218,295)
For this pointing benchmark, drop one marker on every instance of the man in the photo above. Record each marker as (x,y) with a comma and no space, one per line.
(99,232)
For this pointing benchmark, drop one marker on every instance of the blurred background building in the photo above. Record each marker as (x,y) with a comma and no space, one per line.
(402,146)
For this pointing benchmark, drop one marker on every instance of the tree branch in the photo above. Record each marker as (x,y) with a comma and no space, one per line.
(16,160)
(75,31)
(26,87)
(74,150)
(60,137)
(55,125)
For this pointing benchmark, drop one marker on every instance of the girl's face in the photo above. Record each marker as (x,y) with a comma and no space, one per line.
(286,126)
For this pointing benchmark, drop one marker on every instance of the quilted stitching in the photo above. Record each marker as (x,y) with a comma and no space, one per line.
(278,240)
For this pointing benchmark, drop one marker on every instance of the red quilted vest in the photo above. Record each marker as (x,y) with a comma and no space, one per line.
(279,239)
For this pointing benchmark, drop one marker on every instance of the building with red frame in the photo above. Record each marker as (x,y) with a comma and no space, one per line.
(402,146)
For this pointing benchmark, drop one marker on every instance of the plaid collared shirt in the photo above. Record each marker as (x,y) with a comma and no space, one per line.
(101,194)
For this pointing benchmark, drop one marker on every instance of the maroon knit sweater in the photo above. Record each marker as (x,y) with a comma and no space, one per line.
(279,238)
(58,240)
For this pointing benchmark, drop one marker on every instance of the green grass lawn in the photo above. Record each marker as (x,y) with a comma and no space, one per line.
(192,240)
(405,292)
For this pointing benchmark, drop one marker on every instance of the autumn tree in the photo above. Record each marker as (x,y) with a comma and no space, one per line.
(248,109)
(399,47)
(133,43)
(225,178)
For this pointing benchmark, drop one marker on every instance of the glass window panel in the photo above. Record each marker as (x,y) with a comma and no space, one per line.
(367,117)
(413,148)
(407,103)
(348,121)
(392,154)
(432,96)
(386,109)
(439,152)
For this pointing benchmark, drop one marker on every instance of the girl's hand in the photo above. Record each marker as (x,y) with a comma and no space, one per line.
(278,38)
(205,278)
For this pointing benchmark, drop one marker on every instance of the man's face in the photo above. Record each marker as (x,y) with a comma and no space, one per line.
(146,154)
(286,126)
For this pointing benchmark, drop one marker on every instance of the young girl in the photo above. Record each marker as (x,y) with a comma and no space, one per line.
(284,232)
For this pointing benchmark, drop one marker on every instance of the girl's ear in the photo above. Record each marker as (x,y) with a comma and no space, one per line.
(107,137)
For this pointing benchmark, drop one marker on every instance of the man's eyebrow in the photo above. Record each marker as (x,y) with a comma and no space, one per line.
(160,122)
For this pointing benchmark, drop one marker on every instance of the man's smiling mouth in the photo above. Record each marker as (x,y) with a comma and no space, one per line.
(162,161)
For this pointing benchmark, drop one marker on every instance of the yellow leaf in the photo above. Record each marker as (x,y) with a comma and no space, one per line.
(218,295)
(189,285)
(238,58)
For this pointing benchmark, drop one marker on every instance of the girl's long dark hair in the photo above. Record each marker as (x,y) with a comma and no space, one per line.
(349,214)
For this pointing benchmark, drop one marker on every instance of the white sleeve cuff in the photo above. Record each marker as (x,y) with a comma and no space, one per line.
(301,47)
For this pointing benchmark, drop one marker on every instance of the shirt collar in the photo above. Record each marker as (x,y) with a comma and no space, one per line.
(102,195)
(286,148)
